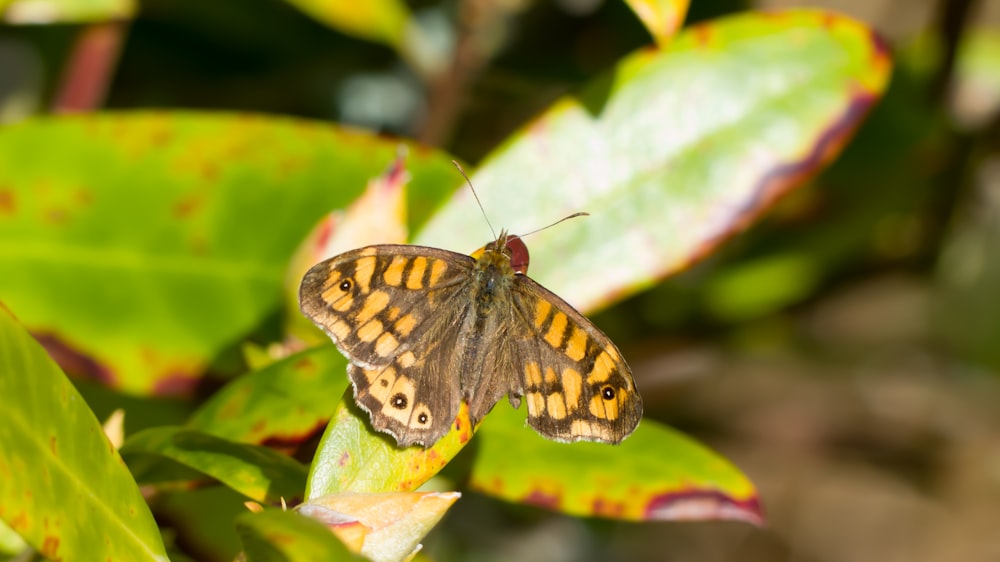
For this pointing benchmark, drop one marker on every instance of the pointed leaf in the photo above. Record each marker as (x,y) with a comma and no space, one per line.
(257,472)
(662,18)
(383,527)
(675,150)
(656,474)
(145,244)
(63,487)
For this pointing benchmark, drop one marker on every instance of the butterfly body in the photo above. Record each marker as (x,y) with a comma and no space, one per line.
(425,328)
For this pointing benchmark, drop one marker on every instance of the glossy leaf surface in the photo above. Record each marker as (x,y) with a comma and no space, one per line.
(145,244)
(656,474)
(257,472)
(674,151)
(63,487)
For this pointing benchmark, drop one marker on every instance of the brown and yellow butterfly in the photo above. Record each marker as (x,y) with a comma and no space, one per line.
(425,328)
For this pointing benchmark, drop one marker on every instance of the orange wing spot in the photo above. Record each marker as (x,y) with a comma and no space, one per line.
(572,383)
(550,375)
(375,303)
(375,379)
(582,428)
(603,367)
(386,344)
(555,334)
(399,400)
(340,330)
(438,267)
(370,331)
(392,313)
(533,375)
(423,416)
(407,359)
(363,272)
(576,346)
(405,325)
(604,409)
(337,299)
(333,276)
(542,309)
(394,273)
(416,279)
(597,408)
(555,405)
(536,403)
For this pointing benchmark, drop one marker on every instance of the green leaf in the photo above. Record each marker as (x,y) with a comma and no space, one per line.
(285,536)
(65,11)
(145,244)
(257,472)
(655,474)
(674,150)
(281,404)
(63,487)
(383,21)
(353,457)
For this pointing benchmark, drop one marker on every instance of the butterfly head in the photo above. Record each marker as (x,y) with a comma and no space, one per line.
(511,248)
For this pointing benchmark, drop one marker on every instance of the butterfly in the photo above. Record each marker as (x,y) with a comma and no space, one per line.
(425,328)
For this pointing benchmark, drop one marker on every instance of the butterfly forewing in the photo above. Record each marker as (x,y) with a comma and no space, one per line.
(380,305)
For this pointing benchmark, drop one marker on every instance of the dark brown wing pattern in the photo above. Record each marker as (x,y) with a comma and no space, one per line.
(383,306)
(575,381)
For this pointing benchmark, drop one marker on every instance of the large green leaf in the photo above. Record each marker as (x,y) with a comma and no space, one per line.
(63,486)
(674,150)
(280,404)
(257,472)
(657,473)
(143,245)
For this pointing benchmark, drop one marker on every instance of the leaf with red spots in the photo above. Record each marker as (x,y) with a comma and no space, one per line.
(144,245)
(63,487)
(656,474)
(259,473)
(280,405)
(674,151)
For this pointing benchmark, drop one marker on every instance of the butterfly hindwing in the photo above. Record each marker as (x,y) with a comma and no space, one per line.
(575,382)
(377,304)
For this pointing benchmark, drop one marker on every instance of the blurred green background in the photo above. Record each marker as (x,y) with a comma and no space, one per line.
(845,352)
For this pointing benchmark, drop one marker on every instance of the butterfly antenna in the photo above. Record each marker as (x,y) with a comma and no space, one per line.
(474,194)
(573,216)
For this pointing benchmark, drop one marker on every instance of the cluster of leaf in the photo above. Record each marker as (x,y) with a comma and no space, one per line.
(146,248)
